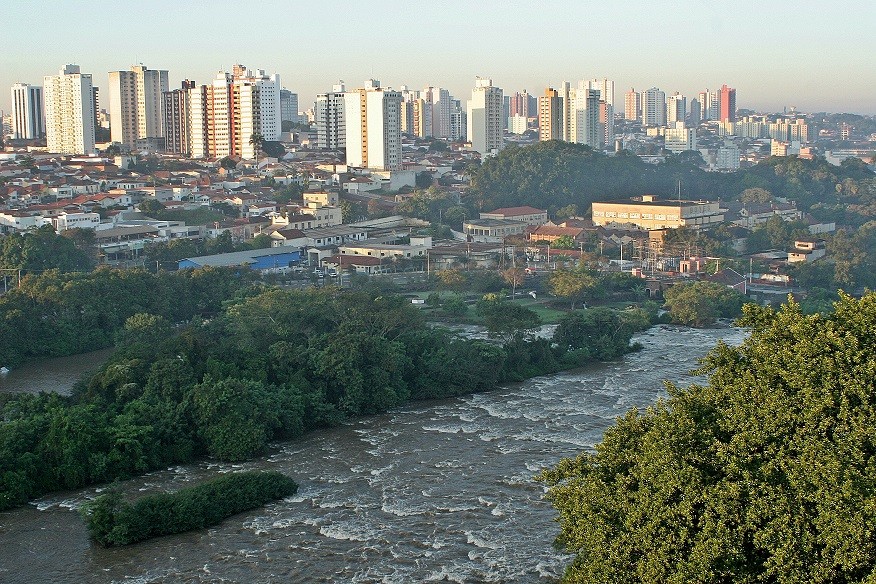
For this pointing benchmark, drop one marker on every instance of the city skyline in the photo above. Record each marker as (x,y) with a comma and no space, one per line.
(774,56)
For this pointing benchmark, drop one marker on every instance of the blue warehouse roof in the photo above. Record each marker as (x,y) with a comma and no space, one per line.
(257,259)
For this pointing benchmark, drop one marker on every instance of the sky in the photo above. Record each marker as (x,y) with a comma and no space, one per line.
(813,55)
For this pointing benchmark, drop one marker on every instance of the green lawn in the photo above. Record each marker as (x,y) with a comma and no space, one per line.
(548,315)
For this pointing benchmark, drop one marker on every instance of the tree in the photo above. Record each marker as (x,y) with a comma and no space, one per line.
(506,320)
(599,333)
(450,279)
(42,249)
(256,140)
(152,207)
(756,195)
(700,303)
(567,212)
(563,242)
(572,285)
(273,148)
(228,163)
(514,277)
(424,179)
(764,474)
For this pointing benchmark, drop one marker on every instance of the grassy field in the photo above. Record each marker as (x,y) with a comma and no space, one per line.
(548,315)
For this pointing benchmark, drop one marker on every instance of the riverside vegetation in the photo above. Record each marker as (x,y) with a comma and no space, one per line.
(268,364)
(763,475)
(112,521)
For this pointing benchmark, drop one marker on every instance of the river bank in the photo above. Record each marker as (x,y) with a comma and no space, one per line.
(430,491)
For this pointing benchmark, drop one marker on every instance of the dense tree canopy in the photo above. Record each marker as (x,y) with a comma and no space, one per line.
(556,175)
(763,475)
(42,249)
(700,303)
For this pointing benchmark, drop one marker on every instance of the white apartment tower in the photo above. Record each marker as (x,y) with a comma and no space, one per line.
(485,112)
(653,107)
(584,124)
(440,100)
(136,103)
(28,113)
(329,113)
(676,109)
(69,102)
(373,127)
(458,121)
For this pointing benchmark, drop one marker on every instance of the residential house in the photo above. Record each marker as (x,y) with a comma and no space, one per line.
(806,249)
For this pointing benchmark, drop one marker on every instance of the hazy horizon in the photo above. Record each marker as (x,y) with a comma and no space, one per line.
(811,56)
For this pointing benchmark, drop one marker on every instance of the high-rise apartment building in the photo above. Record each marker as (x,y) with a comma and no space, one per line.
(28,113)
(70,114)
(331,130)
(653,107)
(441,102)
(288,106)
(485,112)
(714,106)
(633,105)
(373,127)
(676,109)
(605,87)
(695,112)
(550,115)
(422,116)
(726,104)
(135,102)
(458,121)
(584,125)
(234,109)
(177,119)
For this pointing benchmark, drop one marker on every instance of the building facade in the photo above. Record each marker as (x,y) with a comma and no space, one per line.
(649,213)
(633,105)
(70,118)
(177,119)
(726,104)
(28,112)
(331,132)
(135,104)
(373,127)
(550,115)
(485,113)
(653,108)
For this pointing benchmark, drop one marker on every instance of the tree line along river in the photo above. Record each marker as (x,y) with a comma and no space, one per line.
(433,491)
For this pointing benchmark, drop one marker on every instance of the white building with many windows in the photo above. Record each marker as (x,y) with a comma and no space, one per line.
(135,104)
(484,119)
(69,101)
(28,113)
(373,127)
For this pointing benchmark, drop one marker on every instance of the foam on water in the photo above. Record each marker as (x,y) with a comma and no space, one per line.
(433,491)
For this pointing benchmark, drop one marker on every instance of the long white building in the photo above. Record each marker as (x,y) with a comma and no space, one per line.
(136,104)
(28,113)
(69,100)
(373,127)
(485,112)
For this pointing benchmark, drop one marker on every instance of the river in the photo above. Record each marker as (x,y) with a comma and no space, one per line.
(57,375)
(435,491)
